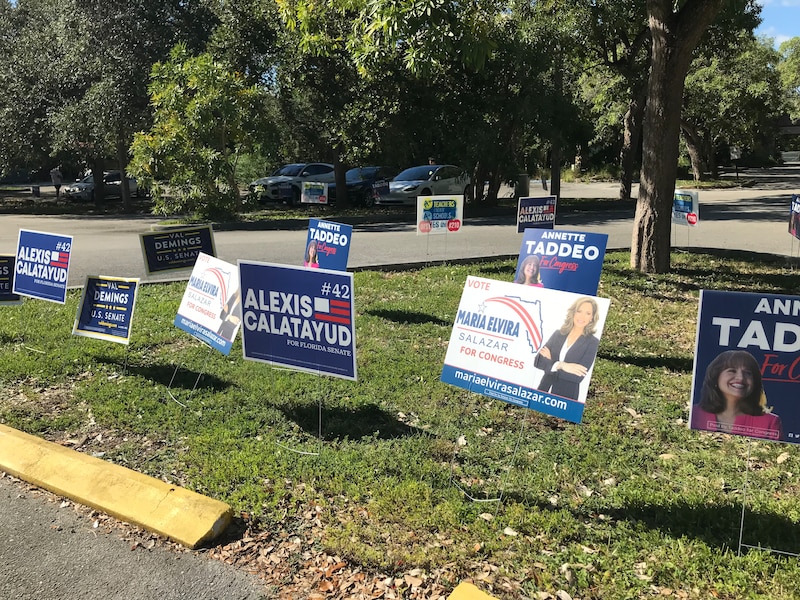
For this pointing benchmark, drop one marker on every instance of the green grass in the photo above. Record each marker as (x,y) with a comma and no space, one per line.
(628,504)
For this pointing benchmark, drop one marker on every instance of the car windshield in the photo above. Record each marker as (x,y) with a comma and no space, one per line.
(361,173)
(422,173)
(289,170)
(88,179)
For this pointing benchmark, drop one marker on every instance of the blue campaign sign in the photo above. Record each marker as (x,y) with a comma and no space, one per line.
(42,265)
(747,365)
(536,213)
(106,309)
(298,318)
(176,248)
(561,260)
(794,216)
(327,245)
(510,342)
(7,281)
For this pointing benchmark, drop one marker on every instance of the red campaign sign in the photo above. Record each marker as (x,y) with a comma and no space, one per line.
(425,226)
(691,218)
(453,225)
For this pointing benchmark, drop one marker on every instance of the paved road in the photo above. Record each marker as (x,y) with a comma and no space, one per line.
(754,219)
(50,552)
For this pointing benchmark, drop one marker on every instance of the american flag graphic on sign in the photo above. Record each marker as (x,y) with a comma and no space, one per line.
(332,310)
(59,259)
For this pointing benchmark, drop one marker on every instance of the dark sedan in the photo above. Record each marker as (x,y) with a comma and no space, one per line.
(364,184)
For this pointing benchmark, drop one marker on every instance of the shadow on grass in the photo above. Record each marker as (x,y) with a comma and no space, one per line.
(406,317)
(722,276)
(714,524)
(672,363)
(497,270)
(183,378)
(338,423)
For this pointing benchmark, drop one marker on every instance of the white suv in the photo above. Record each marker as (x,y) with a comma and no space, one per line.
(285,184)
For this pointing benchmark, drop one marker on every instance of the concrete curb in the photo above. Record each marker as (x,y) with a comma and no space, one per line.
(467,591)
(168,510)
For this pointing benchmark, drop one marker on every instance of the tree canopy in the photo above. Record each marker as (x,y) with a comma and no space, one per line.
(499,88)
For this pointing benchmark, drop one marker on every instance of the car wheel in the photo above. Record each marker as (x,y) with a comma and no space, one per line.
(369,200)
(425,192)
(295,199)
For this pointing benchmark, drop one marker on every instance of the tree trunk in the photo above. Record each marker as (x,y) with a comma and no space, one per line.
(694,145)
(674,36)
(711,156)
(479,175)
(494,187)
(99,186)
(630,143)
(555,167)
(342,199)
(122,162)
(555,138)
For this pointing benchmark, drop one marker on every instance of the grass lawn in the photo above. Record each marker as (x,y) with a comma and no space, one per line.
(629,504)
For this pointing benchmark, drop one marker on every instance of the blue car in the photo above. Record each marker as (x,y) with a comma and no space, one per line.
(365,184)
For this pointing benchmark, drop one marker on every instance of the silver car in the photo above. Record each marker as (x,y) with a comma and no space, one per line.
(83,189)
(426,180)
(285,184)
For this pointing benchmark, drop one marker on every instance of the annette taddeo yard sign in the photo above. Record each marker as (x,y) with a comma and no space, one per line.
(747,365)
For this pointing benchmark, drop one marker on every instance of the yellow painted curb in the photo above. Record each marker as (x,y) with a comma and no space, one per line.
(169,510)
(467,591)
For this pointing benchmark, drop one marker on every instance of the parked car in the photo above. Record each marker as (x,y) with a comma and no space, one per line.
(365,184)
(426,180)
(83,189)
(285,184)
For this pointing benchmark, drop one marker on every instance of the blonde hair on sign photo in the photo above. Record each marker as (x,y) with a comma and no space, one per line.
(592,326)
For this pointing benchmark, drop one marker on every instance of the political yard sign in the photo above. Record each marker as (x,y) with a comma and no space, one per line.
(42,265)
(314,193)
(7,298)
(176,249)
(561,260)
(106,308)
(298,318)
(747,365)
(794,216)
(509,342)
(211,306)
(330,242)
(439,214)
(685,208)
(536,212)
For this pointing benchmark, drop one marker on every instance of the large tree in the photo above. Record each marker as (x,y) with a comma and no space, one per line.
(789,69)
(675,32)
(76,76)
(204,117)
(731,99)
